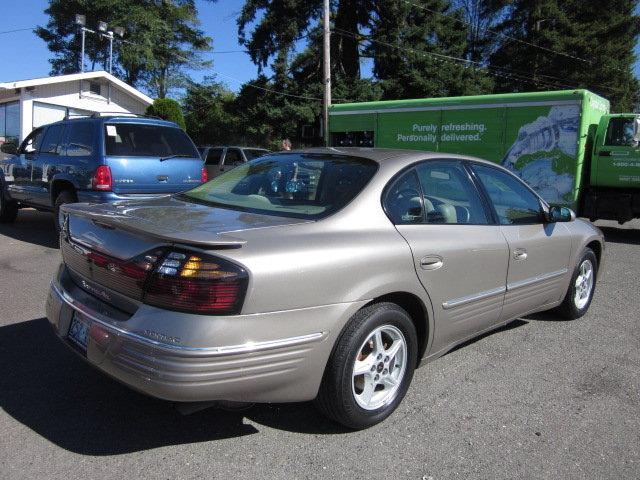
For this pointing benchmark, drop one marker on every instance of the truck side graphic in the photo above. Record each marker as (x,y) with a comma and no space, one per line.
(565,144)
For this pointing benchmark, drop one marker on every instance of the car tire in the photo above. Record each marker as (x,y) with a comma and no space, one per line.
(359,401)
(8,209)
(65,196)
(583,284)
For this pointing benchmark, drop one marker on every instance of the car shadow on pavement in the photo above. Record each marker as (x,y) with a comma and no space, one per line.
(33,227)
(630,236)
(47,388)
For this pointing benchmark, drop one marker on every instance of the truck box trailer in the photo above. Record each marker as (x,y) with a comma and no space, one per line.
(564,144)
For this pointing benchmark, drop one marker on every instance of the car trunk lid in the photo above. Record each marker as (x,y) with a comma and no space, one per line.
(119,245)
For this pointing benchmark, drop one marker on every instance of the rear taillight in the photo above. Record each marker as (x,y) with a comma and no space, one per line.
(204,175)
(192,282)
(102,179)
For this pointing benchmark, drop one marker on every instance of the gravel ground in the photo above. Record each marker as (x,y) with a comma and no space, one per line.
(541,398)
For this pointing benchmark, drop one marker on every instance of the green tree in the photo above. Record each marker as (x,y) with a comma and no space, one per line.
(282,24)
(162,39)
(210,114)
(420,52)
(167,109)
(548,44)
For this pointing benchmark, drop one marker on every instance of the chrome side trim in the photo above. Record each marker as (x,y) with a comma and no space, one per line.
(249,347)
(457,107)
(540,278)
(457,302)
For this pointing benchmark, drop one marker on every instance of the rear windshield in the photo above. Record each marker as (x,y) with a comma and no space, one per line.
(252,153)
(141,140)
(308,186)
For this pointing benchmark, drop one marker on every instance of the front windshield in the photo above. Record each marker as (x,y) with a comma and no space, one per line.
(296,185)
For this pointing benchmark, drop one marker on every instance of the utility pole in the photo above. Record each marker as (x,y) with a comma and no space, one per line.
(327,73)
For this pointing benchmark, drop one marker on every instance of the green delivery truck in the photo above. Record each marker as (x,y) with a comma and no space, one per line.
(565,144)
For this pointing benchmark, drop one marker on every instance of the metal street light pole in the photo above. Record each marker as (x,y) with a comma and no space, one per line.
(110,35)
(327,73)
(82,51)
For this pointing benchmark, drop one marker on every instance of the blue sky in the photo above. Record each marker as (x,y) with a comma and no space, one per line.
(24,55)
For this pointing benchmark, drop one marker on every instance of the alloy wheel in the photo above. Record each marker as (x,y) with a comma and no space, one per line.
(379,367)
(584,284)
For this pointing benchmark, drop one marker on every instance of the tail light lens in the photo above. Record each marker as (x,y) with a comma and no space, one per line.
(204,175)
(102,179)
(192,282)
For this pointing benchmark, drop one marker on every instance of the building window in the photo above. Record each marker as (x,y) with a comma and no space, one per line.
(9,123)
(94,88)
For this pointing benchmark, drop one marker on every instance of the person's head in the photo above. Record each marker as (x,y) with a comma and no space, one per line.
(286,144)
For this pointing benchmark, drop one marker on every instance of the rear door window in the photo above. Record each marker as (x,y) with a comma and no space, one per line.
(449,194)
(51,143)
(143,140)
(81,139)
(233,157)
(214,156)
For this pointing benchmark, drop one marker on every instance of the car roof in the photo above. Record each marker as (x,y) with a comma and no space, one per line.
(234,146)
(388,156)
(123,118)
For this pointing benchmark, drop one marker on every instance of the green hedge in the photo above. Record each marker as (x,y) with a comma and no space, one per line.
(167,109)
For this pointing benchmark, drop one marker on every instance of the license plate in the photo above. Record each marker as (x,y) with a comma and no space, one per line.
(79,330)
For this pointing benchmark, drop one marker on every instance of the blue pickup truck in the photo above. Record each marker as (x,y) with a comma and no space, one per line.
(97,159)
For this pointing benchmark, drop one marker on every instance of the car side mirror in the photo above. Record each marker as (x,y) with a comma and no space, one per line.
(9,148)
(560,214)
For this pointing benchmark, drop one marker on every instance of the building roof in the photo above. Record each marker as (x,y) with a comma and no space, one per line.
(34,82)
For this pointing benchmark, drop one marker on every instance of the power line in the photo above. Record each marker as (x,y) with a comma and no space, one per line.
(491,70)
(504,35)
(454,59)
(253,85)
(17,30)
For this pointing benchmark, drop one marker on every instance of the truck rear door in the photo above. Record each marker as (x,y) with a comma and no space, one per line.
(150,158)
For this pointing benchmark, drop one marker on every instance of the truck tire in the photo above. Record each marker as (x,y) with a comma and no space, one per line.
(8,209)
(65,196)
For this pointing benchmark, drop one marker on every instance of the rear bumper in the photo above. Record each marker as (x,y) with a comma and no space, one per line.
(89,196)
(283,361)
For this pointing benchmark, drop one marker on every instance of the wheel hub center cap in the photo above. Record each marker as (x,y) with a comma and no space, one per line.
(380,367)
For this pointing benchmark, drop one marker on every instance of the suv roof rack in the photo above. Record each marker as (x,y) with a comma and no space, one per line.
(119,114)
(124,114)
(67,116)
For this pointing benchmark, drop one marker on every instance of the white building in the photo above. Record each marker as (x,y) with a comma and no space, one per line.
(27,104)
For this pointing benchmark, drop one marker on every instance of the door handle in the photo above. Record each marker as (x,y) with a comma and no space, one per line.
(431,262)
(520,254)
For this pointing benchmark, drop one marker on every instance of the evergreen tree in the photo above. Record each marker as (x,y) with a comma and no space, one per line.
(420,52)
(548,44)
(162,38)
(167,109)
(284,23)
(210,113)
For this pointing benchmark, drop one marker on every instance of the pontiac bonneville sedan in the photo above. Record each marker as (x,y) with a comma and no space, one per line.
(325,274)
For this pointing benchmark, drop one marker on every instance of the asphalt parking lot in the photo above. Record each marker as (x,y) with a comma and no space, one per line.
(541,398)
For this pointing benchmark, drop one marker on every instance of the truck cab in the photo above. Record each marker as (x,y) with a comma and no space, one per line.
(614,175)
